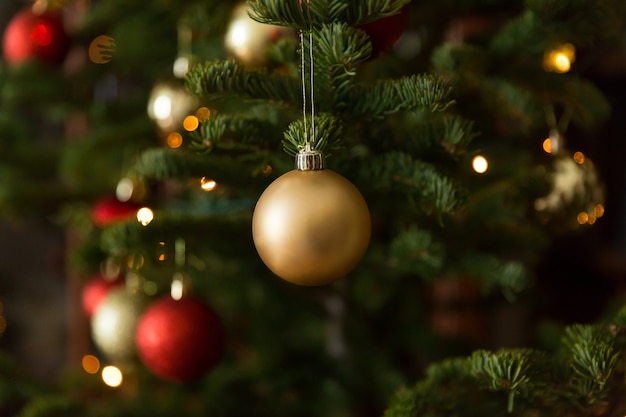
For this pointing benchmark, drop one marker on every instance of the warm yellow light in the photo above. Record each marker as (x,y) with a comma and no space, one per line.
(480,164)
(592,219)
(145,216)
(562,63)
(91,364)
(579,158)
(582,218)
(560,59)
(101,49)
(547,145)
(112,376)
(174,140)
(191,123)
(598,210)
(203,114)
(207,184)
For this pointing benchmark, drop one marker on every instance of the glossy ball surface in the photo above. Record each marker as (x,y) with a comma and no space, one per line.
(179,340)
(311,227)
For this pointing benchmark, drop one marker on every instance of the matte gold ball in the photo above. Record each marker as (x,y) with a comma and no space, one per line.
(311,227)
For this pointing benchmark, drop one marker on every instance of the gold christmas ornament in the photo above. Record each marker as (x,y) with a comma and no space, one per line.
(311,226)
(114,323)
(577,194)
(247,40)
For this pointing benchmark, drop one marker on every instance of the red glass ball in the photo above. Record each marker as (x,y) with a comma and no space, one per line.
(179,340)
(40,37)
(110,210)
(94,292)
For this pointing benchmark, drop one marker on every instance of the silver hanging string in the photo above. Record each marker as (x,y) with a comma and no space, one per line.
(312,85)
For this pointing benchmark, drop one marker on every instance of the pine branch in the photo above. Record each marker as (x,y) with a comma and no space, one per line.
(313,13)
(417,179)
(327,136)
(416,92)
(218,79)
(418,252)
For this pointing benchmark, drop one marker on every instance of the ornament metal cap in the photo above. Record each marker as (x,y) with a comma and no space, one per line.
(310,161)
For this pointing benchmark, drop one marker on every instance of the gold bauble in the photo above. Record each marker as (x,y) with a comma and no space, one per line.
(311,227)
(577,193)
(114,324)
(247,40)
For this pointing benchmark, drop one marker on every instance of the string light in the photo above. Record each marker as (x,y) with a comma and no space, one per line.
(559,59)
(112,376)
(145,216)
(207,184)
(480,164)
(174,140)
(191,123)
(91,364)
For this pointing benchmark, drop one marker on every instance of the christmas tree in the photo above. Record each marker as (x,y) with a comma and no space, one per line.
(215,278)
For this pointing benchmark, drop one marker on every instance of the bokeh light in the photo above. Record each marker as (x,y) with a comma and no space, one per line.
(480,164)
(145,216)
(91,364)
(579,158)
(207,184)
(112,376)
(101,49)
(191,123)
(559,59)
(174,140)
(203,114)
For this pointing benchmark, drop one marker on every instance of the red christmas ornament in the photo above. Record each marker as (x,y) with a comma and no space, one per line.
(385,32)
(179,340)
(94,292)
(39,37)
(110,210)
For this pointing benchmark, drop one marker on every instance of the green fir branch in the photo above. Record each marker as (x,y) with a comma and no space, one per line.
(415,92)
(326,137)
(218,79)
(418,252)
(305,14)
(231,131)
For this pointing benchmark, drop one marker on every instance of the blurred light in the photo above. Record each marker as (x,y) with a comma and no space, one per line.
(101,49)
(162,107)
(598,210)
(191,123)
(592,219)
(560,59)
(124,190)
(547,145)
(91,364)
(480,164)
(162,255)
(40,6)
(207,184)
(145,216)
(150,288)
(112,376)
(181,66)
(582,218)
(579,157)
(174,140)
(203,114)
(177,288)
(268,170)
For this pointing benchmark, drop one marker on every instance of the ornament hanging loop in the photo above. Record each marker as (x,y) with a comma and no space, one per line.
(177,288)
